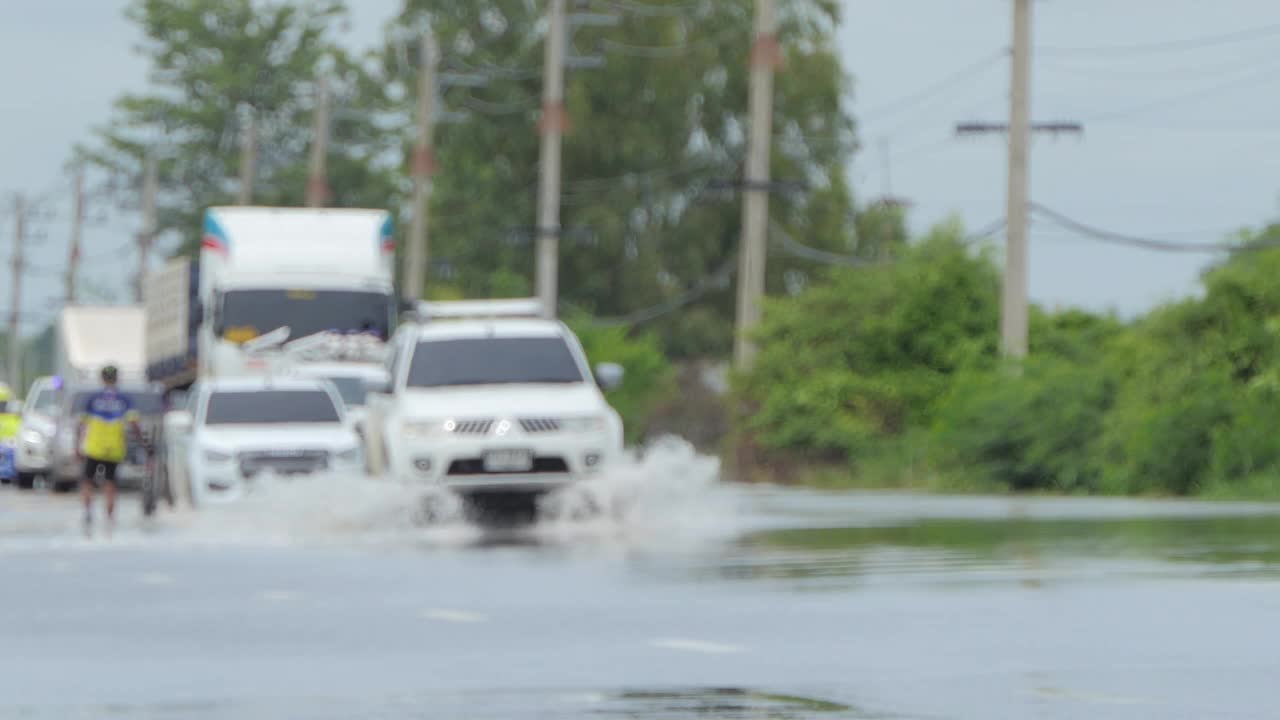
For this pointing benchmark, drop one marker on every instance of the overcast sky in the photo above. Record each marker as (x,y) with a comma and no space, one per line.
(1182,139)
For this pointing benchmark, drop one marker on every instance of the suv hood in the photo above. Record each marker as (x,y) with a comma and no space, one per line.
(278,437)
(496,401)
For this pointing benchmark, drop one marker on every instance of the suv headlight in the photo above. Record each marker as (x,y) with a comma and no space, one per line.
(350,455)
(216,456)
(33,437)
(594,423)
(428,428)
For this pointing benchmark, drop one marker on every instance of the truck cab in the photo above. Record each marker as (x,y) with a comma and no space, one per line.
(287,274)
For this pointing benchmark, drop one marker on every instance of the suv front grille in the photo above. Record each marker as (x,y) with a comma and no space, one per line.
(540,425)
(473,427)
(285,462)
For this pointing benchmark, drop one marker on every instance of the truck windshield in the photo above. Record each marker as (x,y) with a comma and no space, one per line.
(246,314)
(492,361)
(258,407)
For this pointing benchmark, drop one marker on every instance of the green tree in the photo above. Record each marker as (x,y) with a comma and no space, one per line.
(211,61)
(651,134)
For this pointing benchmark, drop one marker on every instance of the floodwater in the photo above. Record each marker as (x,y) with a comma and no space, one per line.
(692,599)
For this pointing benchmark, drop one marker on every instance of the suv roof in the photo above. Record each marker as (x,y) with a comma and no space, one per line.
(504,327)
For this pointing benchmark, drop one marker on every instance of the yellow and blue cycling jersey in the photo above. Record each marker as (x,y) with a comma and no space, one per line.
(105,416)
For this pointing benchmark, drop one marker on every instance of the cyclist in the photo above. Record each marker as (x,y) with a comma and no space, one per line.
(103,442)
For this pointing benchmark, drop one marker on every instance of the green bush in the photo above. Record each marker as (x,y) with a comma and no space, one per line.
(1036,429)
(866,355)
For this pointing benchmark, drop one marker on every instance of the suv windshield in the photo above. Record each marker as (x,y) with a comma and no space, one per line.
(254,407)
(492,361)
(145,402)
(246,314)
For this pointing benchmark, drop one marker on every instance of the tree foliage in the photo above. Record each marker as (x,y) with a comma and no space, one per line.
(212,62)
(866,355)
(652,134)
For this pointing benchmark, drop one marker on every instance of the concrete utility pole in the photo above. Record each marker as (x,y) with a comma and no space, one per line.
(147,236)
(77,222)
(15,300)
(755,209)
(1013,314)
(248,158)
(552,127)
(317,184)
(423,167)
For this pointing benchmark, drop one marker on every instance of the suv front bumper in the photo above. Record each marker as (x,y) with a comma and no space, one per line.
(458,463)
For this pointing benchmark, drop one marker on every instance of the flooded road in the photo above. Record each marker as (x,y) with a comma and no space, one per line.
(703,600)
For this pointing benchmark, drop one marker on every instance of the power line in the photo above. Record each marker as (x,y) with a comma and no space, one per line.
(716,281)
(906,101)
(1194,43)
(1146,243)
(1268,74)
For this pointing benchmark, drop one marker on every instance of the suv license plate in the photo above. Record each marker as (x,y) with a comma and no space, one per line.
(508,461)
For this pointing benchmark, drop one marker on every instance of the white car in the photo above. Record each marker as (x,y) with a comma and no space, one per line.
(33,448)
(488,398)
(237,430)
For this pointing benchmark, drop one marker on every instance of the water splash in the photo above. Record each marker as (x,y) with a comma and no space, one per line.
(663,493)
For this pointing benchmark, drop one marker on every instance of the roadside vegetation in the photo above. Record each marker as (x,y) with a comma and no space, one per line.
(892,378)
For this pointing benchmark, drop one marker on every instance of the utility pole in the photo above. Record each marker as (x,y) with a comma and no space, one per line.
(248,157)
(317,185)
(1013,304)
(552,126)
(755,209)
(423,167)
(77,222)
(147,236)
(1013,312)
(15,300)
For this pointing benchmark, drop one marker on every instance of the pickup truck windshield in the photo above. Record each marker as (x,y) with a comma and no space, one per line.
(259,407)
(492,361)
(246,314)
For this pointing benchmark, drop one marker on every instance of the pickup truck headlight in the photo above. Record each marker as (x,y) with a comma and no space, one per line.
(216,456)
(428,428)
(594,423)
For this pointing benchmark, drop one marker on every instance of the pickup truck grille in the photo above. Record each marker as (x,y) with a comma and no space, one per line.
(285,462)
(540,425)
(475,466)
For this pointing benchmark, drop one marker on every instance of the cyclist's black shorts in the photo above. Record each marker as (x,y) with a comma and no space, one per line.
(99,471)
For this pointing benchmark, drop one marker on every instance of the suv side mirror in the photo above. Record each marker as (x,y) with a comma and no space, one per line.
(609,376)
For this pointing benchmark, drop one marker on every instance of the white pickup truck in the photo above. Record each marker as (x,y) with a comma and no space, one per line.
(486,399)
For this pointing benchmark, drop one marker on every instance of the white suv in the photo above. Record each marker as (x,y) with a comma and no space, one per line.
(486,397)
